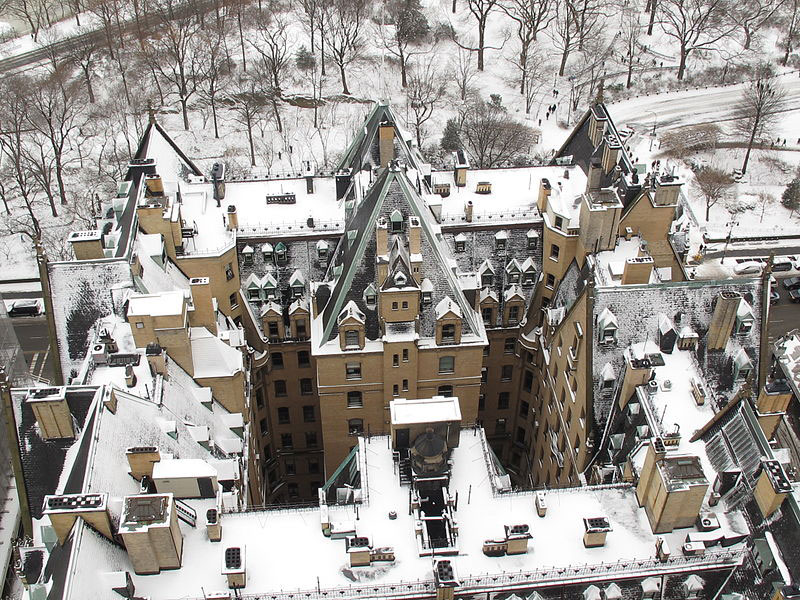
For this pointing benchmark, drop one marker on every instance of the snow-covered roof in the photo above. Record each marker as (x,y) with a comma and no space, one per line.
(445,306)
(156,305)
(429,410)
(211,357)
(182,467)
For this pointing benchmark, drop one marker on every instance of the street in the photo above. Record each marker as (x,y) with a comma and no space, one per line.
(783,316)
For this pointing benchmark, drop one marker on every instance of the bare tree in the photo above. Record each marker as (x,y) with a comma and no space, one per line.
(57,112)
(492,136)
(764,199)
(27,11)
(480,9)
(344,20)
(84,55)
(218,68)
(409,29)
(273,45)
(307,63)
(757,110)
(791,25)
(536,71)
(753,15)
(179,57)
(14,131)
(564,31)
(246,102)
(630,31)
(531,17)
(311,13)
(463,71)
(695,25)
(425,89)
(713,184)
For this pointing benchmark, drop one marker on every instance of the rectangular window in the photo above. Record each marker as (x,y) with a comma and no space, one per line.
(395,360)
(280,387)
(486,314)
(513,314)
(524,409)
(293,490)
(289,466)
(309,414)
(550,281)
(527,381)
(303,359)
(405,385)
(405,304)
(262,425)
(395,390)
(405,354)
(506,372)
(233,300)
(351,338)
(313,464)
(554,251)
(559,222)
(283,415)
(139,325)
(311,440)
(500,426)
(394,305)
(300,328)
(520,435)
(510,345)
(482,402)
(484,375)
(502,400)
(259,399)
(306,388)
(353,370)
(447,364)
(355,400)
(286,440)
(272,329)
(277,360)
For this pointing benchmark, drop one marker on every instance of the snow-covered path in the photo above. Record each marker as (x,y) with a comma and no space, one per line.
(692,107)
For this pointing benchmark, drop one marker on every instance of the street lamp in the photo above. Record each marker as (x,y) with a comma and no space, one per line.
(731,224)
(653,134)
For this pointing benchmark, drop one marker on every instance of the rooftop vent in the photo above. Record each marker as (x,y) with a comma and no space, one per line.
(444,574)
(213,526)
(74,502)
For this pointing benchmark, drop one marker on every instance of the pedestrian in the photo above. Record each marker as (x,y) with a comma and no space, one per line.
(223,220)
(784,141)
(540,122)
(279,155)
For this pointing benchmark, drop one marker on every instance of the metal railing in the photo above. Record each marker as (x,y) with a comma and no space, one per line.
(259,230)
(514,214)
(503,582)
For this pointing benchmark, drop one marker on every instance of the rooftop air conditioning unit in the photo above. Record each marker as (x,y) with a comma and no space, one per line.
(99,354)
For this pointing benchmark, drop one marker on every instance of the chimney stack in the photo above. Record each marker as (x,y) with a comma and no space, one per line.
(150,532)
(52,413)
(233,218)
(141,460)
(719,331)
(64,510)
(386,142)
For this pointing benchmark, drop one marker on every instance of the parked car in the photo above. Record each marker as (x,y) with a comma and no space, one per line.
(791,283)
(794,295)
(747,267)
(774,297)
(24,308)
(782,263)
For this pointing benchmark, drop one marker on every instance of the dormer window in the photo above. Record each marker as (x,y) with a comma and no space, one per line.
(742,366)
(744,318)
(427,297)
(322,250)
(281,253)
(559,223)
(533,239)
(370,296)
(607,328)
(448,334)
(527,279)
(513,314)
(351,338)
(486,279)
(500,239)
(247,255)
(396,220)
(461,242)
(253,294)
(267,251)
(400,279)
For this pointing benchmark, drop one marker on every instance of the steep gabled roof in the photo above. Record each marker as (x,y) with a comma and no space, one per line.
(352,268)
(359,153)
